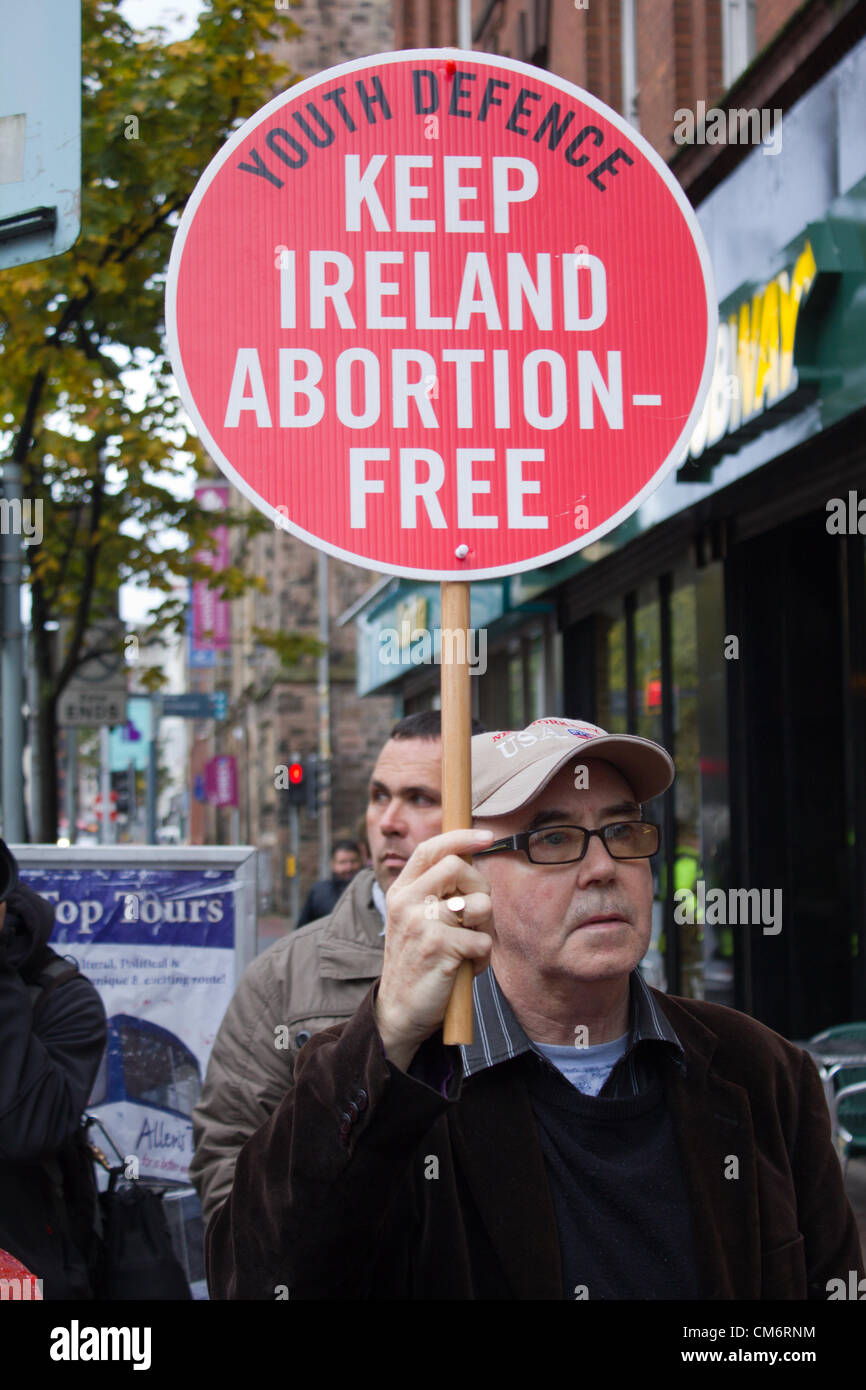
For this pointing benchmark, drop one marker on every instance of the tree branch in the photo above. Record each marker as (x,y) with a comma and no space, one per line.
(82,617)
(72,535)
(24,437)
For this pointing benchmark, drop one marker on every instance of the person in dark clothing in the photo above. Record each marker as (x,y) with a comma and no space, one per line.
(582,1145)
(52,1036)
(324,895)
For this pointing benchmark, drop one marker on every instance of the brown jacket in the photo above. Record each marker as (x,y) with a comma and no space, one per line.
(334,1197)
(309,980)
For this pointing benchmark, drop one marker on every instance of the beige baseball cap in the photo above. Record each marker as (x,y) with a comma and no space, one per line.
(511,766)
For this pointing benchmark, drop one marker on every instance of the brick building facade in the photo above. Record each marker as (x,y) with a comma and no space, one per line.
(644,58)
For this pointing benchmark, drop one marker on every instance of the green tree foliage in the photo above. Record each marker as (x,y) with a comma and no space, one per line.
(100,449)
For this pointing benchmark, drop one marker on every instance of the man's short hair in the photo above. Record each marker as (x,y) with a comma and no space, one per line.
(362,837)
(426,724)
(351,845)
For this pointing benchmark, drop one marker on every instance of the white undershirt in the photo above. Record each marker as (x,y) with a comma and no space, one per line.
(587,1068)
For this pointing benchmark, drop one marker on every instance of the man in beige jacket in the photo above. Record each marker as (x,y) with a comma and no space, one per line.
(316,977)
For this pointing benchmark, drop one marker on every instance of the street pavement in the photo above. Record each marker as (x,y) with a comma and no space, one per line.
(270,930)
(273,927)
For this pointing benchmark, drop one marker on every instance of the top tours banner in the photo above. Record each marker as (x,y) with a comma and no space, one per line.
(163,935)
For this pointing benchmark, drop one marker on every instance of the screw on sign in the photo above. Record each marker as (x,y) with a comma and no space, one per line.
(450,358)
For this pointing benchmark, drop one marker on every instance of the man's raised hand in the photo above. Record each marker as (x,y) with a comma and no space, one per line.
(424,949)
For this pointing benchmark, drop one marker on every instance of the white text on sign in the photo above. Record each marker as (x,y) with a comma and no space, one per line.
(361,192)
(327,296)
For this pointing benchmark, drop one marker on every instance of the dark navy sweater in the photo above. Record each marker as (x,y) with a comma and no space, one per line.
(618,1190)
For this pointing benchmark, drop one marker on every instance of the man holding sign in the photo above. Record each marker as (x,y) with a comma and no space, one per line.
(460,324)
(598,1139)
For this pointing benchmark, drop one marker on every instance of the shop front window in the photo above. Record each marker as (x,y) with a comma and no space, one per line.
(646,703)
(535,678)
(676,697)
(611,700)
(648,665)
(525,678)
(687,870)
(515,689)
(714,816)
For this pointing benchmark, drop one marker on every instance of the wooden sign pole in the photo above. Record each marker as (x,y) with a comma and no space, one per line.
(457,769)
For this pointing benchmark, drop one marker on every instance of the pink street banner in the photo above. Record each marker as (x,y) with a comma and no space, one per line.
(211,615)
(221,781)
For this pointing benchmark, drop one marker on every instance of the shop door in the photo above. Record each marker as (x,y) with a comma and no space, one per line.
(789,826)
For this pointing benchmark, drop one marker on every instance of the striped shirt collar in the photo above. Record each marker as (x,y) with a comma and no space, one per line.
(378,900)
(499,1037)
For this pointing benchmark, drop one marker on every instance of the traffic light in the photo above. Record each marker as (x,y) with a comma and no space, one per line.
(319,783)
(296,791)
(121,792)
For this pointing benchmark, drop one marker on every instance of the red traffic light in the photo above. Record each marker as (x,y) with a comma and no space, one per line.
(653,695)
(296,773)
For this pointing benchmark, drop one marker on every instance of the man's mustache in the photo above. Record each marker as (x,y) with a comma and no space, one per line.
(604,909)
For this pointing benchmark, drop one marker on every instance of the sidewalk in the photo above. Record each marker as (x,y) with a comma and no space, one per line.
(270,930)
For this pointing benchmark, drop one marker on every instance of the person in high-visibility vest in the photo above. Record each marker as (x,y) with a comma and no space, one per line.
(689,913)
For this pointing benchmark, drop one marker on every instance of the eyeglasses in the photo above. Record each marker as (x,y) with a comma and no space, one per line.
(566,844)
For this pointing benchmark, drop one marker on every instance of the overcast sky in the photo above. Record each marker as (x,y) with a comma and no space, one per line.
(178,16)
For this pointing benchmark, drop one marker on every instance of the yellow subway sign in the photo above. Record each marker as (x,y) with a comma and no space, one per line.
(411,619)
(754,367)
